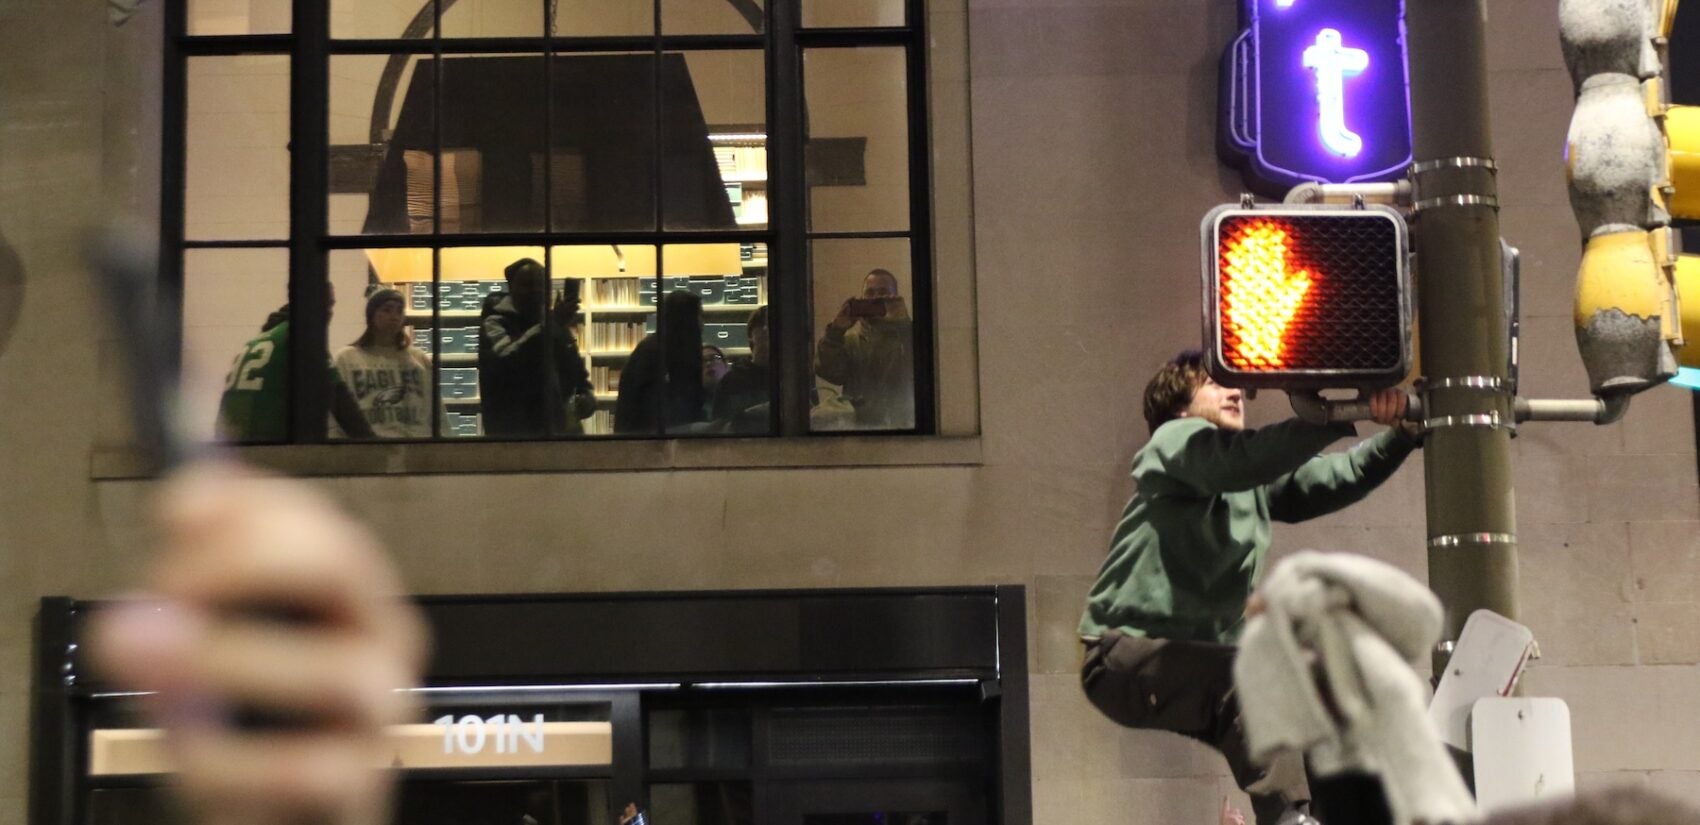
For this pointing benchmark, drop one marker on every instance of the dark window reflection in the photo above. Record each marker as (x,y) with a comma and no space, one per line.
(501,169)
(699,738)
(701,803)
(864,358)
(134,806)
(578,802)
(876,818)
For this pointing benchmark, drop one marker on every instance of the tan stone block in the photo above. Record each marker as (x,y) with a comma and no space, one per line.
(1054,150)
(1681,785)
(1071,739)
(1051,412)
(1659,487)
(1666,632)
(1660,420)
(1551,487)
(1402,547)
(905,526)
(1523,35)
(1551,254)
(1622,717)
(1053,517)
(1573,592)
(1531,115)
(1665,560)
(14,752)
(1155,754)
(1055,624)
(1082,40)
(1127,802)
(1598,781)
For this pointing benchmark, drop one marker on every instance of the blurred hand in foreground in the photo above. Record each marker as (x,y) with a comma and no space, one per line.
(268,603)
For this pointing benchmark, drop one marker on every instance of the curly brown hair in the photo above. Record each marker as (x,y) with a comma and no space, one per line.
(1171,389)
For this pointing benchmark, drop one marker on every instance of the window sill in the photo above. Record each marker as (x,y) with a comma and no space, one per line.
(107,464)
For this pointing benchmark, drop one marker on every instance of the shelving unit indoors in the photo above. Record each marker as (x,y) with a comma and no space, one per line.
(618,293)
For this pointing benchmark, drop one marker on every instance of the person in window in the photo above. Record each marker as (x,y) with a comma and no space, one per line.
(521,398)
(662,390)
(1162,621)
(868,349)
(390,378)
(741,400)
(255,404)
(714,367)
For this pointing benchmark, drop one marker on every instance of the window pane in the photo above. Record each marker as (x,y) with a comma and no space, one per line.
(668,381)
(827,14)
(493,18)
(240,16)
(376,185)
(715,183)
(713,16)
(489,384)
(858,149)
(617,289)
(708,738)
(236,343)
(740,387)
(135,806)
(238,119)
(381,346)
(601,169)
(865,349)
(491,157)
(601,18)
(351,19)
(702,803)
(567,802)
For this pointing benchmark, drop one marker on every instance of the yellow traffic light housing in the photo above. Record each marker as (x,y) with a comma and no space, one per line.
(1628,154)
(1306,297)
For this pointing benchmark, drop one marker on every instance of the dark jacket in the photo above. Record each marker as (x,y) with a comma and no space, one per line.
(650,400)
(742,398)
(875,364)
(518,391)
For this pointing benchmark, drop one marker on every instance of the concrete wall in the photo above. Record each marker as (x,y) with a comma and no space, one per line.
(1092,161)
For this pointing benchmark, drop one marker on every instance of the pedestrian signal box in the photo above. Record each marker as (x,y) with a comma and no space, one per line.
(1306,297)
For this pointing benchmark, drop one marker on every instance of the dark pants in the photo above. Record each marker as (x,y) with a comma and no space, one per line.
(1178,686)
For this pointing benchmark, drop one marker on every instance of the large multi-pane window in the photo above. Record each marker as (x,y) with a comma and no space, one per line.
(543,219)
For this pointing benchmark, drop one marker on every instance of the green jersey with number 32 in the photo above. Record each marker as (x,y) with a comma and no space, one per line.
(255,405)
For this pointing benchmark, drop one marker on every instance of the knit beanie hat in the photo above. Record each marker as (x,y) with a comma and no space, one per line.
(378,297)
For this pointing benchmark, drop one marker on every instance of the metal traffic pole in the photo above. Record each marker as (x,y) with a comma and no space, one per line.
(1465,364)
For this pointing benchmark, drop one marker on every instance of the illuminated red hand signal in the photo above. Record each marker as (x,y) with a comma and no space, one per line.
(1261,293)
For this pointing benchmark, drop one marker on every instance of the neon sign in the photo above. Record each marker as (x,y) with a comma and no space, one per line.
(1316,90)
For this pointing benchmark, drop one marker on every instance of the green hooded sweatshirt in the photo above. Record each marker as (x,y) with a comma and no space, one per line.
(1191,543)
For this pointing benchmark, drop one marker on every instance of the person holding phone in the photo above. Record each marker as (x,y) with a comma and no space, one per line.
(868,349)
(521,398)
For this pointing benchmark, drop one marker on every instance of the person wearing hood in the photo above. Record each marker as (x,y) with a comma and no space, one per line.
(868,349)
(522,397)
(390,378)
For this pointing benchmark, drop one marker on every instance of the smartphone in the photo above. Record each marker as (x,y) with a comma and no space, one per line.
(867,307)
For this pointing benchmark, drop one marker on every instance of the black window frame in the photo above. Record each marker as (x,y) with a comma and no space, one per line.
(309,244)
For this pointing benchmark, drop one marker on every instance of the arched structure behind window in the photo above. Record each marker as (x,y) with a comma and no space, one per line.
(420,27)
